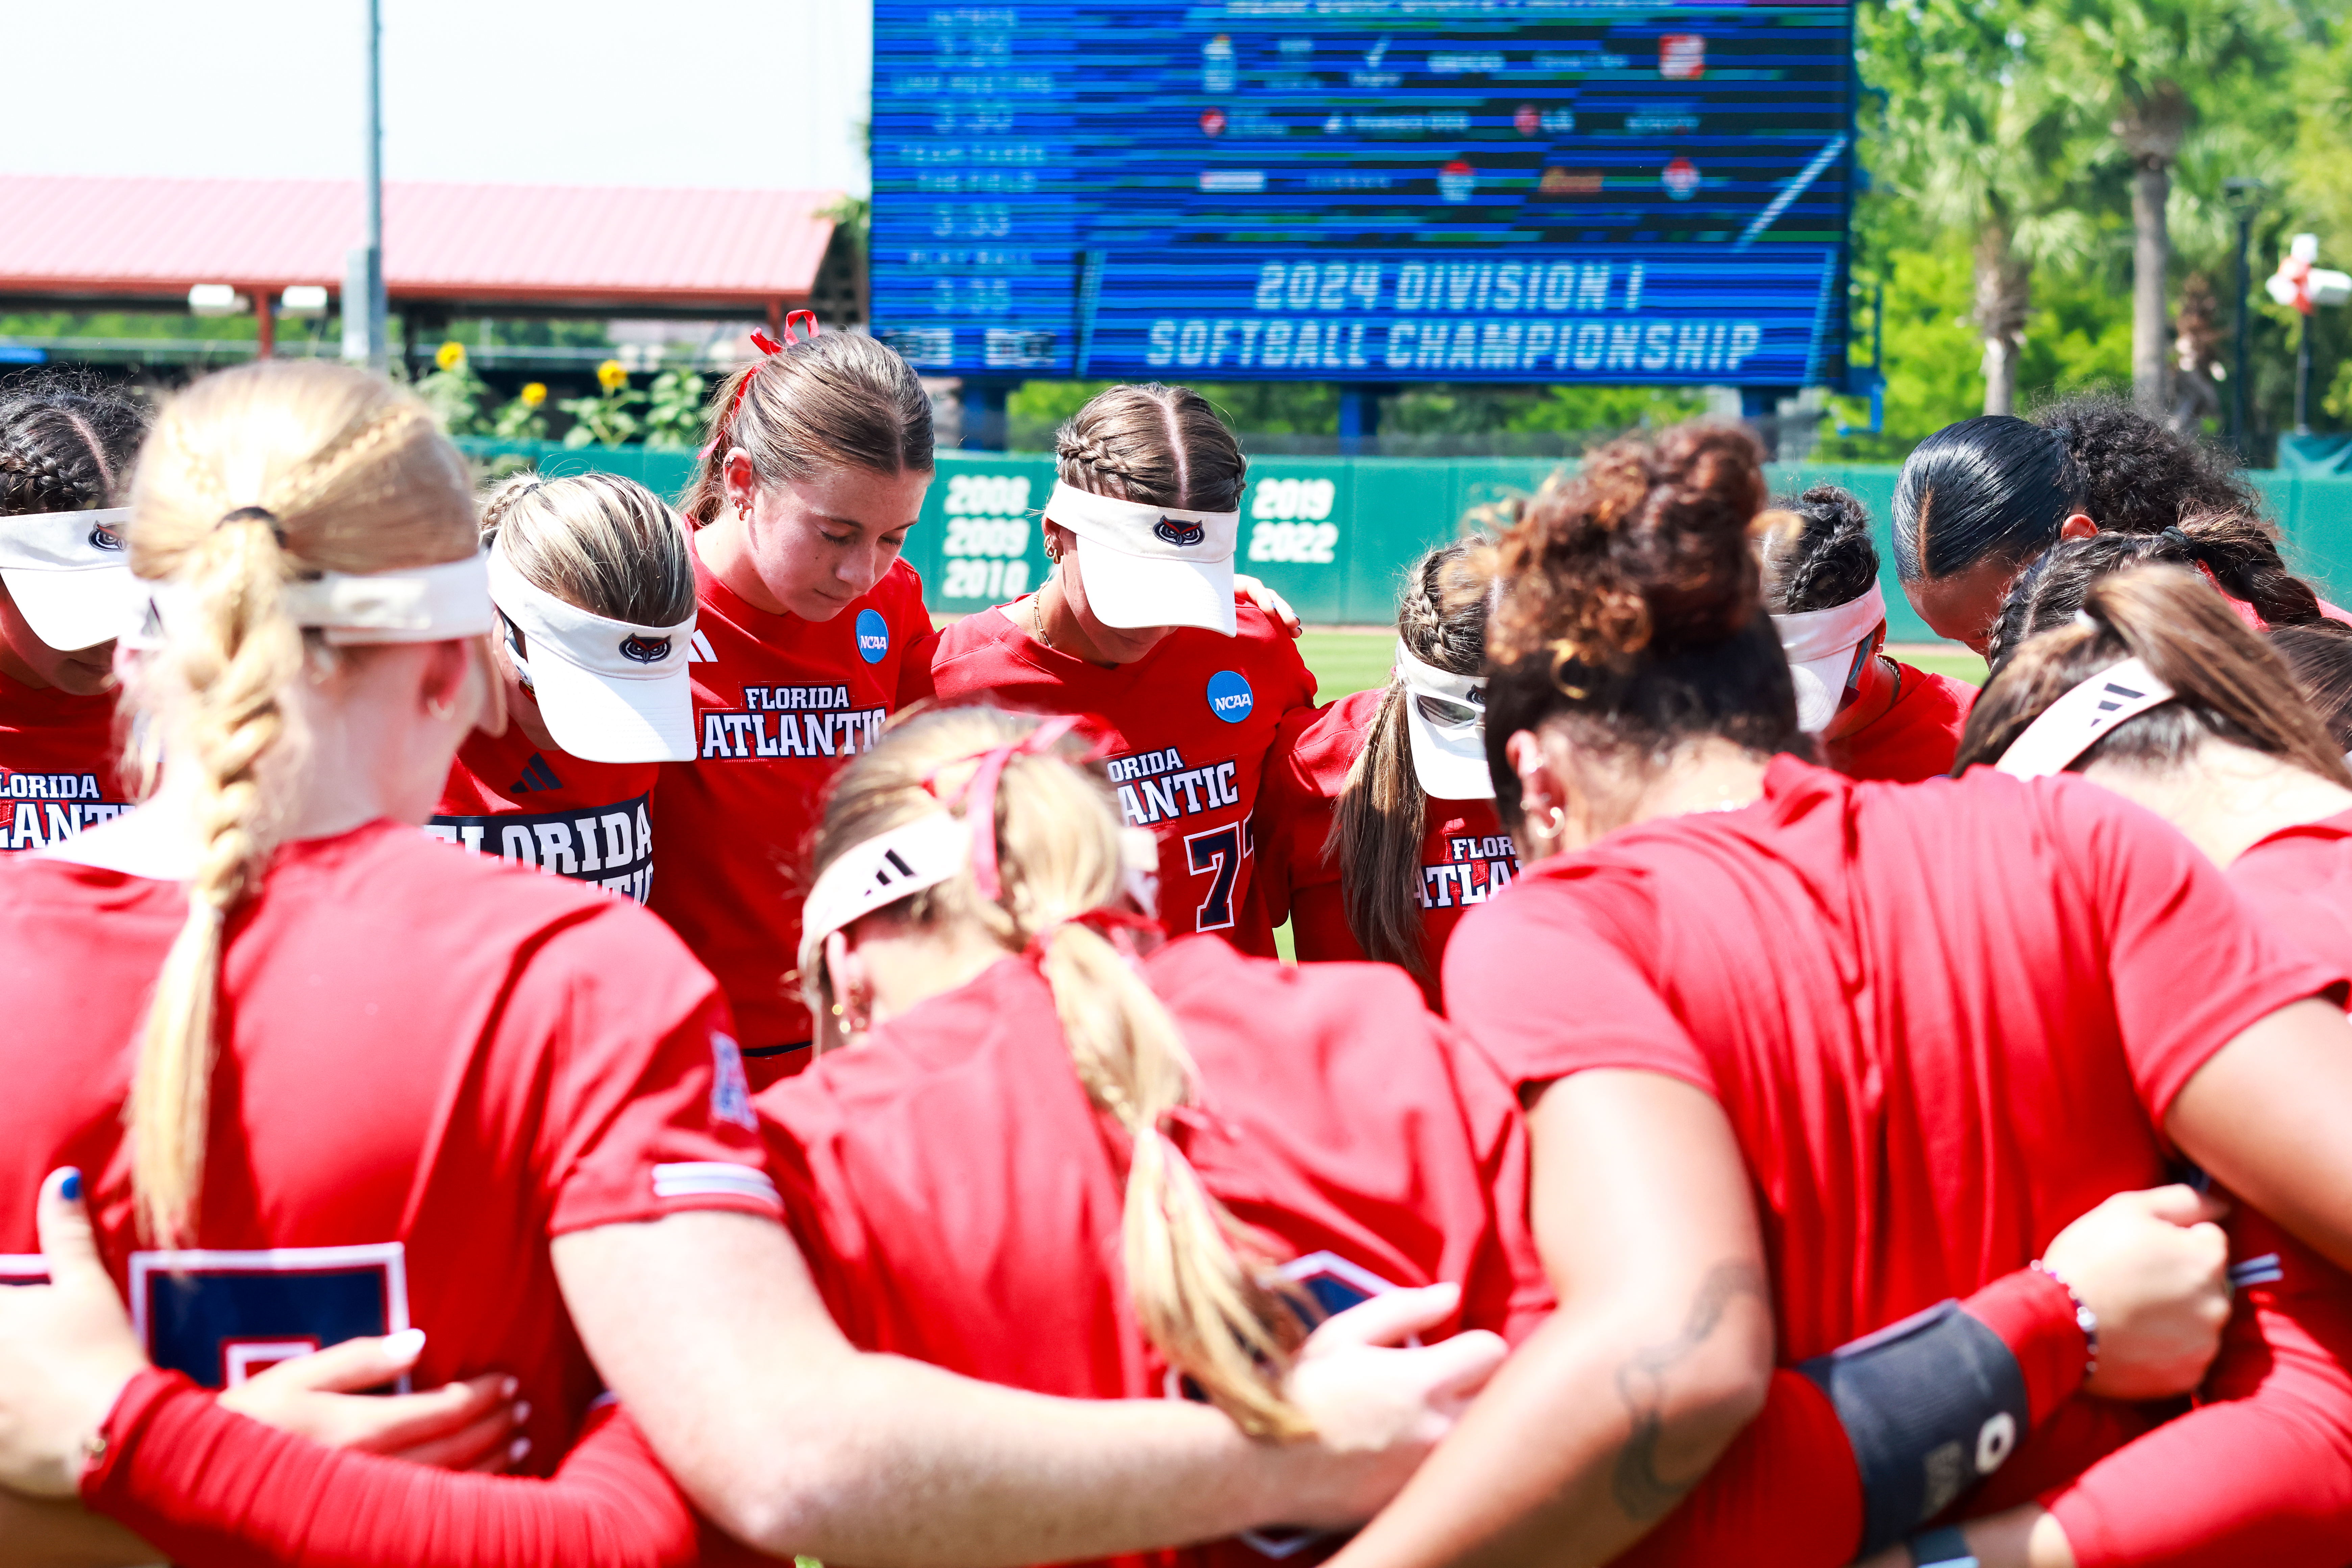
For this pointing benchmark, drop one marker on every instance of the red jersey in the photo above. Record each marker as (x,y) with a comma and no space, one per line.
(1374,1149)
(429,1066)
(1189,725)
(778,701)
(1966,1001)
(56,764)
(1465,856)
(533,806)
(1915,739)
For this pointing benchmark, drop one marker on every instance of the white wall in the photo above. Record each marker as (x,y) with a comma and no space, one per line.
(682,92)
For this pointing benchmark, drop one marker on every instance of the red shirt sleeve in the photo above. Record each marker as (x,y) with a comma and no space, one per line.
(2154,898)
(649,1112)
(209,1486)
(1578,929)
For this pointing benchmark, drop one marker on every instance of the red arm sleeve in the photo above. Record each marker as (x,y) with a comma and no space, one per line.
(1787,1493)
(211,1487)
(2261,1470)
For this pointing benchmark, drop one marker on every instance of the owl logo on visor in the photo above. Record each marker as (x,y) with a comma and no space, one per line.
(1176,533)
(645,651)
(102,539)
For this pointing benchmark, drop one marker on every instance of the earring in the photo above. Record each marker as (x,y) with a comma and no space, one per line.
(1553,829)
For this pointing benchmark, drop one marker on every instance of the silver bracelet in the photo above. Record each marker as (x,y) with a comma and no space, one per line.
(2084,1319)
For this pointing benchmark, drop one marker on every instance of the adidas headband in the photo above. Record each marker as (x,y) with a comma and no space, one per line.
(892,865)
(2070,726)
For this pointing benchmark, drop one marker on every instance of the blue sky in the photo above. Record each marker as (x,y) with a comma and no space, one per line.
(683,92)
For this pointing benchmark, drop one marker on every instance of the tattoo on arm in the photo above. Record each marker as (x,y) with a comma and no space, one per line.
(1641,1491)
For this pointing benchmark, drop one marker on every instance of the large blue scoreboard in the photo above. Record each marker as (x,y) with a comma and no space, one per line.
(1364,190)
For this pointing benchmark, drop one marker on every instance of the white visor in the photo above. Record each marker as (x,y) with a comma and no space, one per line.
(609,691)
(1152,565)
(1820,644)
(2070,726)
(1449,745)
(69,574)
(404,605)
(867,877)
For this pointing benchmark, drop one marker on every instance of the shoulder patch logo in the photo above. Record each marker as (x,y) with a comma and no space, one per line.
(645,651)
(1180,533)
(1230,697)
(730,1091)
(873,636)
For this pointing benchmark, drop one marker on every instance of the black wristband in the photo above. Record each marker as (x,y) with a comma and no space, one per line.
(1932,1405)
(1944,1548)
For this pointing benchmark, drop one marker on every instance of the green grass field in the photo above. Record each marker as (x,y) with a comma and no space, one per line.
(1346,662)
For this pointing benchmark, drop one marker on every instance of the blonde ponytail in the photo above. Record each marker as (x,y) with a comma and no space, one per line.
(1205,1291)
(252,478)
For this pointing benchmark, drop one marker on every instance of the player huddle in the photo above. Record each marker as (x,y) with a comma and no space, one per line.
(1696,1130)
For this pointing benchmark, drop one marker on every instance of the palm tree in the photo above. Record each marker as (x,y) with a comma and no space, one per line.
(2145,68)
(1972,134)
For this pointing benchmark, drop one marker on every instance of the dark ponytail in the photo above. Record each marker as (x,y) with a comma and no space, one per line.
(2319,657)
(1994,488)
(1378,826)
(1632,606)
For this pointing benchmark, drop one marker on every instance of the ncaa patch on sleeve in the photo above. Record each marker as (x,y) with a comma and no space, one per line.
(1230,697)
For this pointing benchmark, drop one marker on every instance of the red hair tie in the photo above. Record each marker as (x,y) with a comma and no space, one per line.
(979,794)
(794,321)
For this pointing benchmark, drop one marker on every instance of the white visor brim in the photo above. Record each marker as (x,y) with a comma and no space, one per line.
(1450,760)
(1820,646)
(71,610)
(1137,591)
(609,691)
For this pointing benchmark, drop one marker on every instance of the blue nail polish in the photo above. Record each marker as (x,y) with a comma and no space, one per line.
(70,1188)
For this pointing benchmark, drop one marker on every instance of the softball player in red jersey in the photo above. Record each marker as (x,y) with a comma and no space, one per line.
(593,582)
(1875,717)
(1373,1151)
(810,633)
(65,596)
(1766,1013)
(1376,827)
(2219,742)
(1138,630)
(577,1117)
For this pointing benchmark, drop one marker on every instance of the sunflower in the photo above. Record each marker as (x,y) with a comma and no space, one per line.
(450,355)
(611,376)
(534,393)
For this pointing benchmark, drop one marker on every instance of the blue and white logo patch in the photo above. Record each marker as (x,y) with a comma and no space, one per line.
(730,1089)
(1230,697)
(873,636)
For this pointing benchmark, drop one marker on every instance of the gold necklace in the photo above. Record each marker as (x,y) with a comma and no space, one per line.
(1038,618)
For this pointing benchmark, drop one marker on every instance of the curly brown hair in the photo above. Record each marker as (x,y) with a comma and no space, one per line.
(1632,604)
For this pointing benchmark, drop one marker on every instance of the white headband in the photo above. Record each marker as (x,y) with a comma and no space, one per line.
(1810,635)
(894,865)
(405,605)
(2067,728)
(1135,528)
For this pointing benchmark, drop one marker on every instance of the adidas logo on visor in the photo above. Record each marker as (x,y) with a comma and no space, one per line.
(1176,533)
(645,651)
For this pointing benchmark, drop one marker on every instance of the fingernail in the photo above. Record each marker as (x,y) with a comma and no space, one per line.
(522,1411)
(405,1345)
(518,1450)
(70,1188)
(509,1388)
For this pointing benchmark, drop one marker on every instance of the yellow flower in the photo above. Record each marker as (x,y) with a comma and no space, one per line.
(534,393)
(611,376)
(451,355)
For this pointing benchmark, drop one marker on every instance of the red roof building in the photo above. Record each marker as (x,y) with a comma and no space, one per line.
(468,249)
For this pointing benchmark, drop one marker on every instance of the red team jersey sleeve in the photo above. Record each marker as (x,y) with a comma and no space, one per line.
(1916,737)
(57,765)
(778,703)
(1189,727)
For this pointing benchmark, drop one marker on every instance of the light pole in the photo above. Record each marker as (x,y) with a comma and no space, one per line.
(2245,199)
(363,298)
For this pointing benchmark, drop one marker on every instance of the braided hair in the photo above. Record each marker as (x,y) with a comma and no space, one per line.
(1161,445)
(66,443)
(1823,556)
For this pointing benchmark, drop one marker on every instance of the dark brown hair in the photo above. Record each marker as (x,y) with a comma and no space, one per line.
(837,400)
(1822,555)
(1378,826)
(2229,684)
(1632,606)
(66,443)
(2236,547)
(1162,445)
(2319,657)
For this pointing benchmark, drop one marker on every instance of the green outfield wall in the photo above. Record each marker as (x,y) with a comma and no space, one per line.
(1332,534)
